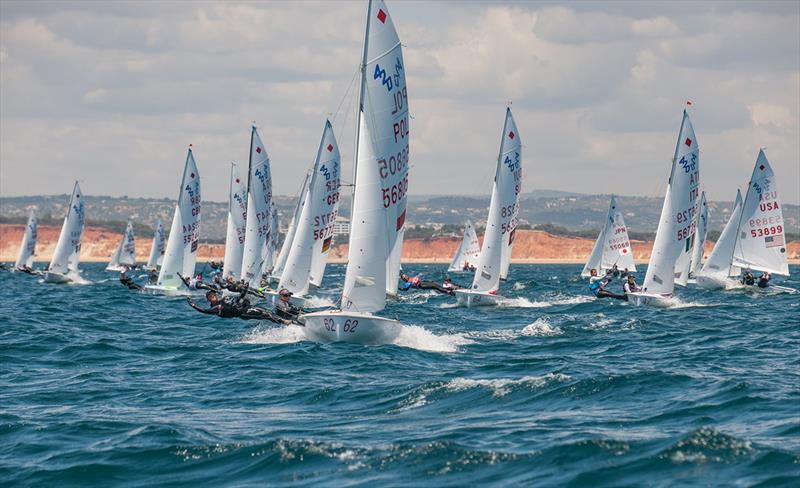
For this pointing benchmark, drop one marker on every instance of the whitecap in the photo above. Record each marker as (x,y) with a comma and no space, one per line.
(417,337)
(503,386)
(518,286)
(319,302)
(274,335)
(540,328)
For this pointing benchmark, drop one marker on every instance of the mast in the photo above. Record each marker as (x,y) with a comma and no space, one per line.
(360,106)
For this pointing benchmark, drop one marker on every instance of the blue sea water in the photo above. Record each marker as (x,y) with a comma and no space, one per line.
(103,386)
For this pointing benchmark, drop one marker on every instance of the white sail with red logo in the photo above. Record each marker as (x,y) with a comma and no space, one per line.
(27,249)
(613,247)
(237,225)
(669,262)
(469,251)
(761,243)
(158,248)
(181,254)
(503,209)
(315,225)
(259,212)
(66,256)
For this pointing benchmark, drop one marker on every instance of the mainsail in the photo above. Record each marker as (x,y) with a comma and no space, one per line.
(719,263)
(259,211)
(237,225)
(676,226)
(27,249)
(503,209)
(67,253)
(158,248)
(181,252)
(468,252)
(381,179)
(315,224)
(613,247)
(700,236)
(761,243)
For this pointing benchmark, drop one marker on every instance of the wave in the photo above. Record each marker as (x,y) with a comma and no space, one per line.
(518,286)
(316,301)
(416,337)
(541,327)
(274,335)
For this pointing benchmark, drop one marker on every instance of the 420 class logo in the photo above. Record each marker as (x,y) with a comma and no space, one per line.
(389,81)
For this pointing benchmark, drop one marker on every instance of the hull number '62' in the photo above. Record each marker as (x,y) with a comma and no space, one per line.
(349,325)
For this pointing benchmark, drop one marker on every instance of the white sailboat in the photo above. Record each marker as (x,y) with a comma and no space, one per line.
(184,235)
(314,227)
(468,253)
(379,200)
(158,247)
(612,247)
(669,262)
(125,255)
(280,262)
(698,249)
(502,222)
(259,212)
(718,271)
(237,225)
(63,267)
(761,242)
(27,250)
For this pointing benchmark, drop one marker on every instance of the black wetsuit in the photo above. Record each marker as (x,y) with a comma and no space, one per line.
(128,281)
(27,269)
(240,307)
(237,287)
(199,285)
(763,282)
(287,311)
(748,279)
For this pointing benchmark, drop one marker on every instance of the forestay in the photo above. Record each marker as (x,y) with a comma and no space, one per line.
(503,208)
(237,225)
(612,247)
(27,249)
(259,211)
(719,263)
(700,236)
(761,243)
(158,248)
(669,261)
(315,224)
(468,252)
(181,253)
(66,256)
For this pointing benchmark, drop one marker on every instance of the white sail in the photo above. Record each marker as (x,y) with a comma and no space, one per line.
(613,247)
(27,249)
(761,243)
(322,247)
(315,225)
(503,209)
(700,236)
(259,211)
(721,257)
(67,253)
(271,251)
(468,252)
(237,225)
(125,255)
(677,223)
(280,262)
(181,252)
(158,248)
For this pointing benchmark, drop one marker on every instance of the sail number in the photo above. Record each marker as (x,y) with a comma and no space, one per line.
(395,164)
(349,325)
(767,231)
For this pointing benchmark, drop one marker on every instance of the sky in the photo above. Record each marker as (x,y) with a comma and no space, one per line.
(112,93)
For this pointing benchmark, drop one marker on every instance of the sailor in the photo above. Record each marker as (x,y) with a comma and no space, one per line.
(4,266)
(196,283)
(152,276)
(468,267)
(449,285)
(763,280)
(597,286)
(748,278)
(234,307)
(286,310)
(24,268)
(128,281)
(630,284)
(417,282)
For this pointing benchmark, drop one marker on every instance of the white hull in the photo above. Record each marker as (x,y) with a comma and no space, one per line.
(118,268)
(469,298)
(718,283)
(646,299)
(171,291)
(52,277)
(272,298)
(361,328)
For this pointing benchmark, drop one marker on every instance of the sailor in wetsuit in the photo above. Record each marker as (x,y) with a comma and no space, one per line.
(748,278)
(763,280)
(630,284)
(449,285)
(285,310)
(196,283)
(597,286)
(417,282)
(27,269)
(152,276)
(128,281)
(234,307)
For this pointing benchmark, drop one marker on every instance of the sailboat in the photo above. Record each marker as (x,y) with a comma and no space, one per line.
(158,248)
(184,235)
(718,271)
(379,199)
(280,262)
(314,227)
(258,230)
(761,242)
(669,261)
(502,221)
(125,255)
(612,246)
(700,235)
(237,225)
(468,253)
(27,250)
(63,267)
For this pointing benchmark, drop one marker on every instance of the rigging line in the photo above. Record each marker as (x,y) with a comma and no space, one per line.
(345,96)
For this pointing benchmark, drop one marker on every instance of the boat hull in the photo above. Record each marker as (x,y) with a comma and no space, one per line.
(59,278)
(360,328)
(718,282)
(470,298)
(171,291)
(650,300)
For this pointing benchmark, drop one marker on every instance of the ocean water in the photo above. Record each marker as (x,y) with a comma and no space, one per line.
(103,386)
